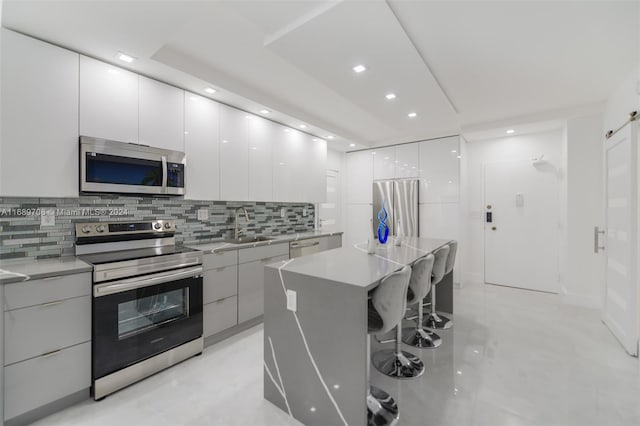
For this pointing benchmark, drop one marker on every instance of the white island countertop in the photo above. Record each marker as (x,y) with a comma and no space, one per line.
(352,265)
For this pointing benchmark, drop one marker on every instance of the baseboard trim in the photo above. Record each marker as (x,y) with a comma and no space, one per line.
(225,334)
(579,299)
(49,409)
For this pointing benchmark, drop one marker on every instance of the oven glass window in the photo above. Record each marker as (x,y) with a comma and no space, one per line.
(104,168)
(145,313)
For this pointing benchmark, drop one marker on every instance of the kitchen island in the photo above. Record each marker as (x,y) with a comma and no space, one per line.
(315,328)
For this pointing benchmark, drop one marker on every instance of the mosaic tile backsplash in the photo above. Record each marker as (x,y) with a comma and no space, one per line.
(23,237)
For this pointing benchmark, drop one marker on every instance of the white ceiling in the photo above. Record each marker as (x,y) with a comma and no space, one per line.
(458,64)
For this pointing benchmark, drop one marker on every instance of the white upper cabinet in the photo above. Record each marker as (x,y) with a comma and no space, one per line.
(161,119)
(201,119)
(288,164)
(359,177)
(384,162)
(234,154)
(314,171)
(263,135)
(440,170)
(108,101)
(407,160)
(39,129)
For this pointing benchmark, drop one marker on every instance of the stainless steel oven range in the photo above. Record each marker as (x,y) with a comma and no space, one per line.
(147,300)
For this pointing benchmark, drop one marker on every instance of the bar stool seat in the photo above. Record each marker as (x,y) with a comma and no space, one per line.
(444,261)
(419,287)
(390,302)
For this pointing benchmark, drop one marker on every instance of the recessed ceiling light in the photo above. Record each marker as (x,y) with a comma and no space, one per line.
(454,151)
(186,132)
(286,130)
(126,58)
(248,117)
(224,141)
(303,126)
(264,111)
(459,156)
(282,164)
(193,98)
(317,140)
(373,153)
(359,68)
(210,90)
(412,115)
(254,148)
(510,131)
(352,144)
(331,137)
(390,96)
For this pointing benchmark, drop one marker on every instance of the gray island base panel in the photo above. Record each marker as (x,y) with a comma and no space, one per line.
(315,359)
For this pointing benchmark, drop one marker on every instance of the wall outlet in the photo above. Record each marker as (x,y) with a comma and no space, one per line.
(292,301)
(48,218)
(283,212)
(305,212)
(203,214)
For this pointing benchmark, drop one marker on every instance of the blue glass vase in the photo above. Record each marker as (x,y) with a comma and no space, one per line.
(383,229)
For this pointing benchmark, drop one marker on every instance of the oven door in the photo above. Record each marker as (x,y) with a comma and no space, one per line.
(137,318)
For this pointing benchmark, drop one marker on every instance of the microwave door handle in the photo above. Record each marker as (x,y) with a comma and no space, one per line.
(164,174)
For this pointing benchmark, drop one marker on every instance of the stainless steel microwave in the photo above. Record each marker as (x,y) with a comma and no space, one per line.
(117,167)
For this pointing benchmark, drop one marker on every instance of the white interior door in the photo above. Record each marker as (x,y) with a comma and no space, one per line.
(620,308)
(329,211)
(521,241)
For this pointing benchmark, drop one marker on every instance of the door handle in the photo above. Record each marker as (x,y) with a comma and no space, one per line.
(493,228)
(596,239)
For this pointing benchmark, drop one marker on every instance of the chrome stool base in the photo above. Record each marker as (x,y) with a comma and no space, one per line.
(419,338)
(382,409)
(401,365)
(437,322)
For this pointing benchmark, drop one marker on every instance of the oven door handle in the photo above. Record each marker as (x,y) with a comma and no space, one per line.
(146,281)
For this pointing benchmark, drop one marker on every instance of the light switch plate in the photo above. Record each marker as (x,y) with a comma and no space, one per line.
(305,212)
(203,214)
(48,218)
(292,300)
(283,212)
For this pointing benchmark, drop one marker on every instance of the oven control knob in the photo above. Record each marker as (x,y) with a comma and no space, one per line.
(86,229)
(101,228)
(167,225)
(157,225)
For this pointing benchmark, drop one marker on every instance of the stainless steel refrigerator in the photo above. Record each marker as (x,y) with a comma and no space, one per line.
(399,198)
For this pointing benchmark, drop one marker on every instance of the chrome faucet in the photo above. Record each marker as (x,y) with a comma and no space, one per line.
(246,216)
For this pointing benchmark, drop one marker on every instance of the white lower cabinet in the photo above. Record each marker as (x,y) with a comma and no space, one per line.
(38,381)
(47,342)
(220,315)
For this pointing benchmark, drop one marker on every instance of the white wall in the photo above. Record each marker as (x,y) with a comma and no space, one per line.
(624,99)
(582,271)
(516,148)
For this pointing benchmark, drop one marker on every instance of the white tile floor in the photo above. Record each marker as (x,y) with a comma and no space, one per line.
(514,357)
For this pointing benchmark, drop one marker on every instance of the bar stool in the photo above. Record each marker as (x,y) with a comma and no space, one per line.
(395,362)
(386,307)
(419,287)
(440,264)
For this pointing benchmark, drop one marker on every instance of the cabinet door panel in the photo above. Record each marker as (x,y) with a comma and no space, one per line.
(288,166)
(202,148)
(39,381)
(263,135)
(407,160)
(220,283)
(161,115)
(220,315)
(39,129)
(384,164)
(314,171)
(440,170)
(234,154)
(251,288)
(108,101)
(359,177)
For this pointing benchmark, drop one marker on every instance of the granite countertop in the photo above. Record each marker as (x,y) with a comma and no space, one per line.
(220,246)
(13,271)
(352,265)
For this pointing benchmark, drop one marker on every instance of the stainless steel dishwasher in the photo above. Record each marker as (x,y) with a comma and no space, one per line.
(304,247)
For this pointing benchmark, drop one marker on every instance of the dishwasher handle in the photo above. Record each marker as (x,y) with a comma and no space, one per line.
(298,245)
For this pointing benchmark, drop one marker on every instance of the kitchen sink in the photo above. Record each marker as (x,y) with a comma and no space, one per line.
(244,240)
